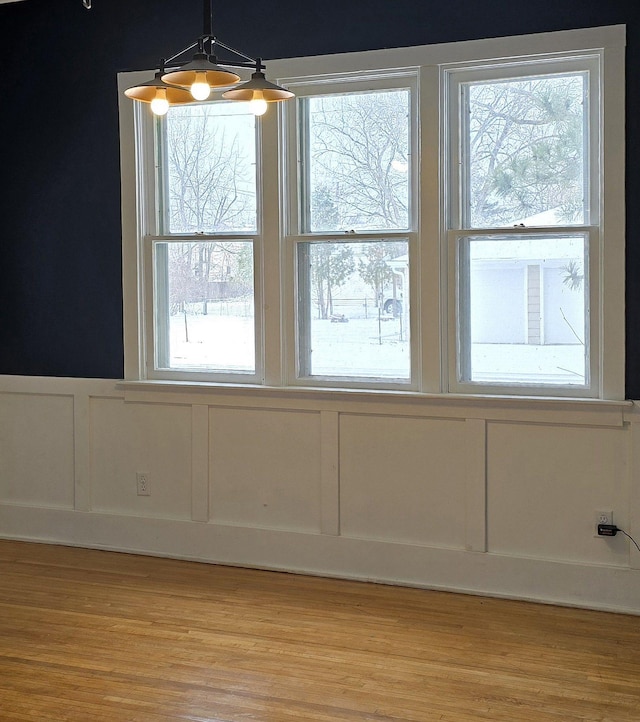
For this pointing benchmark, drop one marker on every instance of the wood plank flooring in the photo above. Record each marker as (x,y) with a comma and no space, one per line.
(95,636)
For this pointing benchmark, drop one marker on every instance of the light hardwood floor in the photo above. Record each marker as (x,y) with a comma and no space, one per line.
(97,636)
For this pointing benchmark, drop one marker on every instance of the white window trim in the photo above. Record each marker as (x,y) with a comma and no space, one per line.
(430,282)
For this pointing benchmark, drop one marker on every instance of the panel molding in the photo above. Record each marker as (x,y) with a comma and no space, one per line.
(82,452)
(200,463)
(330,472)
(476,487)
(607,576)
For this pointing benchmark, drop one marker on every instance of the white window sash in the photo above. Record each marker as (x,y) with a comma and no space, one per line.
(155,339)
(458,329)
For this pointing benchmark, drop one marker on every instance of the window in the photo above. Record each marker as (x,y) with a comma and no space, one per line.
(202,254)
(524,215)
(442,219)
(351,229)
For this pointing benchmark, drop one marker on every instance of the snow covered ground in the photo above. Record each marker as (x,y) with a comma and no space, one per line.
(362,347)
(215,342)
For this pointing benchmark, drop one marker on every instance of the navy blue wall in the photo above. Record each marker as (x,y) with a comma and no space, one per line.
(60,265)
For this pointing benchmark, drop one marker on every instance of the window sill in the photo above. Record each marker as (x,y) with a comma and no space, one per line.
(534,409)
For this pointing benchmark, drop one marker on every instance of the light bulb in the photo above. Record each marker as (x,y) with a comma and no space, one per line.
(257,104)
(200,88)
(160,104)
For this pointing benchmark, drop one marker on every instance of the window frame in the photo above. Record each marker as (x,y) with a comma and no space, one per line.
(458,227)
(430,274)
(295,234)
(150,139)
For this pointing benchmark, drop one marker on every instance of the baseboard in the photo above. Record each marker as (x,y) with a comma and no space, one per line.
(605,588)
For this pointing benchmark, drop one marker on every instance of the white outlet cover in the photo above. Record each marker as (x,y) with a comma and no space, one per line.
(601,516)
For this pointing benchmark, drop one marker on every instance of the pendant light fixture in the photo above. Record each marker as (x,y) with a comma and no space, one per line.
(178,83)
(158,94)
(258,91)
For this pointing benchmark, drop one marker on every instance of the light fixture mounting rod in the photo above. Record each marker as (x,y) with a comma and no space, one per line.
(207,7)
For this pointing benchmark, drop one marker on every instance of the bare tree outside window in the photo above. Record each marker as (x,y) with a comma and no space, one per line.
(358,152)
(523,157)
(210,172)
(356,178)
(208,178)
(525,152)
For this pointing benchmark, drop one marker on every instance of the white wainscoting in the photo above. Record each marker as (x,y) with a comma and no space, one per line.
(489,496)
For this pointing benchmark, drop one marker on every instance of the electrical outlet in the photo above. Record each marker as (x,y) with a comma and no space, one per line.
(142,481)
(601,517)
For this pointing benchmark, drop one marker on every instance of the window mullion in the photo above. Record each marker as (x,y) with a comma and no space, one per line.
(430,284)
(270,301)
